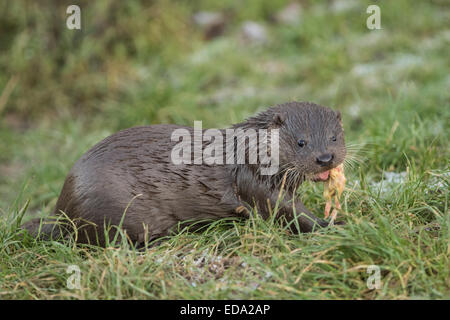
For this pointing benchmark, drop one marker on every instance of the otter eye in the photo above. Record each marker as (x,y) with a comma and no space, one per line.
(301,143)
(333,138)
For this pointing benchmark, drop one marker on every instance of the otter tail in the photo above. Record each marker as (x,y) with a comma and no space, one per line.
(45,229)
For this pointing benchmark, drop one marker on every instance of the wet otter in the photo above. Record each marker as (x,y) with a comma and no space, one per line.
(131,176)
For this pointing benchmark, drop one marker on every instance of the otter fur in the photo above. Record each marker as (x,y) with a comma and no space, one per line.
(129,179)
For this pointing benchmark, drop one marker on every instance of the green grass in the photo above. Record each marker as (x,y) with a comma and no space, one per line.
(134,65)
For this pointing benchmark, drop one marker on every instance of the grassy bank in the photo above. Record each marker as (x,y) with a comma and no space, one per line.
(61,91)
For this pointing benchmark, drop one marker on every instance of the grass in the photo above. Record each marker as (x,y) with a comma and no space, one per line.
(134,65)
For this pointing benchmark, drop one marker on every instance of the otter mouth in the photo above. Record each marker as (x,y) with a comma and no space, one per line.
(323,176)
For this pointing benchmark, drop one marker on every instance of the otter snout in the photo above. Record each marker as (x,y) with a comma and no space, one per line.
(325,159)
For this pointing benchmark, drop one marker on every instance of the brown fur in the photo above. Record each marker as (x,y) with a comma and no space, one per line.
(132,172)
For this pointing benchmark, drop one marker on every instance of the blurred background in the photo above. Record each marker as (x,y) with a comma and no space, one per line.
(144,62)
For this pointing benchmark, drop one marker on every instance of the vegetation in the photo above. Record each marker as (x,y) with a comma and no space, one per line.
(138,62)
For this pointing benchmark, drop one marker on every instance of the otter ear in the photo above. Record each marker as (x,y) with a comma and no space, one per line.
(339,116)
(279,118)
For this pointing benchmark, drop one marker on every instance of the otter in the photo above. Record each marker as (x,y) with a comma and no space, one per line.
(129,179)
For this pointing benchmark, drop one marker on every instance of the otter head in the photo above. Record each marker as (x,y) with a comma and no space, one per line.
(311,139)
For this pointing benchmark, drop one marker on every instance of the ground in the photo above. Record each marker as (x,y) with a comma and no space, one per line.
(61,91)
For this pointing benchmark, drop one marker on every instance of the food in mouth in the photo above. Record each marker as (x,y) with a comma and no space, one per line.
(333,187)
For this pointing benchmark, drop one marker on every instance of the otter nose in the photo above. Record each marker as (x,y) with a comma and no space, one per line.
(325,159)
